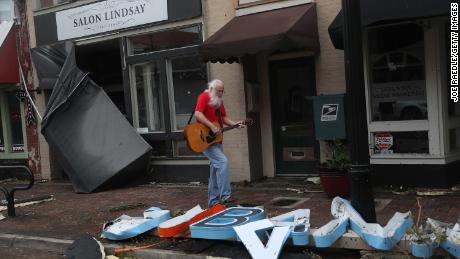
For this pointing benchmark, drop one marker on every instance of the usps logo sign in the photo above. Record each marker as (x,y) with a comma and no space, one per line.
(383,140)
(329,112)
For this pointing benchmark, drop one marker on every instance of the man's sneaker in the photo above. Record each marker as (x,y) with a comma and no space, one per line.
(229,202)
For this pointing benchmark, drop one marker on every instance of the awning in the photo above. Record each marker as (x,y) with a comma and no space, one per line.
(9,70)
(379,12)
(277,30)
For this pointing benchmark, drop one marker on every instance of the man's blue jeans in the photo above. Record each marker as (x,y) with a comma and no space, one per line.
(219,182)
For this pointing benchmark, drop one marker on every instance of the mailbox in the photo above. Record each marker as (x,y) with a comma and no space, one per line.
(329,116)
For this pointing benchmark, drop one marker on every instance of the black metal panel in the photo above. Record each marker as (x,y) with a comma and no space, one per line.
(417,175)
(180,173)
(45,28)
(183,9)
(254,132)
(126,83)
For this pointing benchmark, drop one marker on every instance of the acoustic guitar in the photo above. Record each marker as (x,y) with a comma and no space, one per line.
(199,137)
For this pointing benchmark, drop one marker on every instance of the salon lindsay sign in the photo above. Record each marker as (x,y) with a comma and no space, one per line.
(108,16)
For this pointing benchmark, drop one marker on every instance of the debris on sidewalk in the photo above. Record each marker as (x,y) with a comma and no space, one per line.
(126,227)
(133,248)
(433,193)
(181,224)
(315,180)
(2,217)
(295,190)
(299,223)
(28,202)
(220,226)
(128,207)
(382,238)
(401,190)
(456,188)
(248,235)
(85,247)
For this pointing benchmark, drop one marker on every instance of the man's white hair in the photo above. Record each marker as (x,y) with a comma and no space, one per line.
(215,100)
(212,84)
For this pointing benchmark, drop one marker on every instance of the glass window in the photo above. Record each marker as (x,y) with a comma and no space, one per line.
(6,10)
(397,73)
(39,4)
(415,142)
(188,80)
(11,125)
(169,39)
(159,148)
(15,119)
(147,93)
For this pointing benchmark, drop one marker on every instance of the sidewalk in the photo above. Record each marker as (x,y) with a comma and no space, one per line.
(71,214)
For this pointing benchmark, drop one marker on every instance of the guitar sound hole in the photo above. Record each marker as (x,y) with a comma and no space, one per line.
(210,138)
(202,136)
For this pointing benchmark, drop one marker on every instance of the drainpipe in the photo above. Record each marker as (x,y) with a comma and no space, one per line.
(362,197)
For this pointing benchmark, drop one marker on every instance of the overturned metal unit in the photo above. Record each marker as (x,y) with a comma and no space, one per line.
(95,144)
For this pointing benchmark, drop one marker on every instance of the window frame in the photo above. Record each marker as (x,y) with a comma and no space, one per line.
(6,124)
(12,11)
(435,124)
(162,56)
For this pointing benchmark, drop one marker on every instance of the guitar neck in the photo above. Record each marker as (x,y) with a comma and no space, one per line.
(229,128)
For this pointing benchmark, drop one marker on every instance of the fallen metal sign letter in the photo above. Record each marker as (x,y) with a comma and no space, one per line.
(126,227)
(383,238)
(452,242)
(220,226)
(326,235)
(247,234)
(299,223)
(180,224)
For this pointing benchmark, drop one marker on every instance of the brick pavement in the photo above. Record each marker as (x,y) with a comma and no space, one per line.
(71,214)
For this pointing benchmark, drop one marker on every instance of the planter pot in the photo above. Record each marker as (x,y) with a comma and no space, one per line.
(423,250)
(335,183)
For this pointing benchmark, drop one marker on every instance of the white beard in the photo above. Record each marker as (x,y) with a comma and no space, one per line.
(215,100)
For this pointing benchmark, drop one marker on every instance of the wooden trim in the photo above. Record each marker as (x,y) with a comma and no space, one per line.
(6,124)
(268,5)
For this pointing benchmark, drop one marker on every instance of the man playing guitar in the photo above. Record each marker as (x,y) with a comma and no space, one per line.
(210,108)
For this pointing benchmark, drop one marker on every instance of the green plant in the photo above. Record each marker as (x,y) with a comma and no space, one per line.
(431,231)
(340,158)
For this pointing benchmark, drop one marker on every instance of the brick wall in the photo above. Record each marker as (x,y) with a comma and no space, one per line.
(25,62)
(216,14)
(330,67)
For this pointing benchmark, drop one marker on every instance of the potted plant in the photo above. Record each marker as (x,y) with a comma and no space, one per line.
(334,173)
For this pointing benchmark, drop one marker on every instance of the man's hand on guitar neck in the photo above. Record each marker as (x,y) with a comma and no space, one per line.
(240,124)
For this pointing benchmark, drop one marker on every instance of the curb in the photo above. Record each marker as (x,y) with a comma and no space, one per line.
(59,246)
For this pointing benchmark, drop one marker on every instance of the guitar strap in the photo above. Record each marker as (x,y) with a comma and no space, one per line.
(219,116)
(218,112)
(191,115)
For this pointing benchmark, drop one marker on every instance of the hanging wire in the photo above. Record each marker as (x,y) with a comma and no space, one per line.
(23,80)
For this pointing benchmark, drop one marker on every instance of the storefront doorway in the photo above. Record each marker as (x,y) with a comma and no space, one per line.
(103,61)
(292,81)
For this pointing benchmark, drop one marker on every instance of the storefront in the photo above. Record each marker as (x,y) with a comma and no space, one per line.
(413,124)
(278,46)
(13,144)
(144,54)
